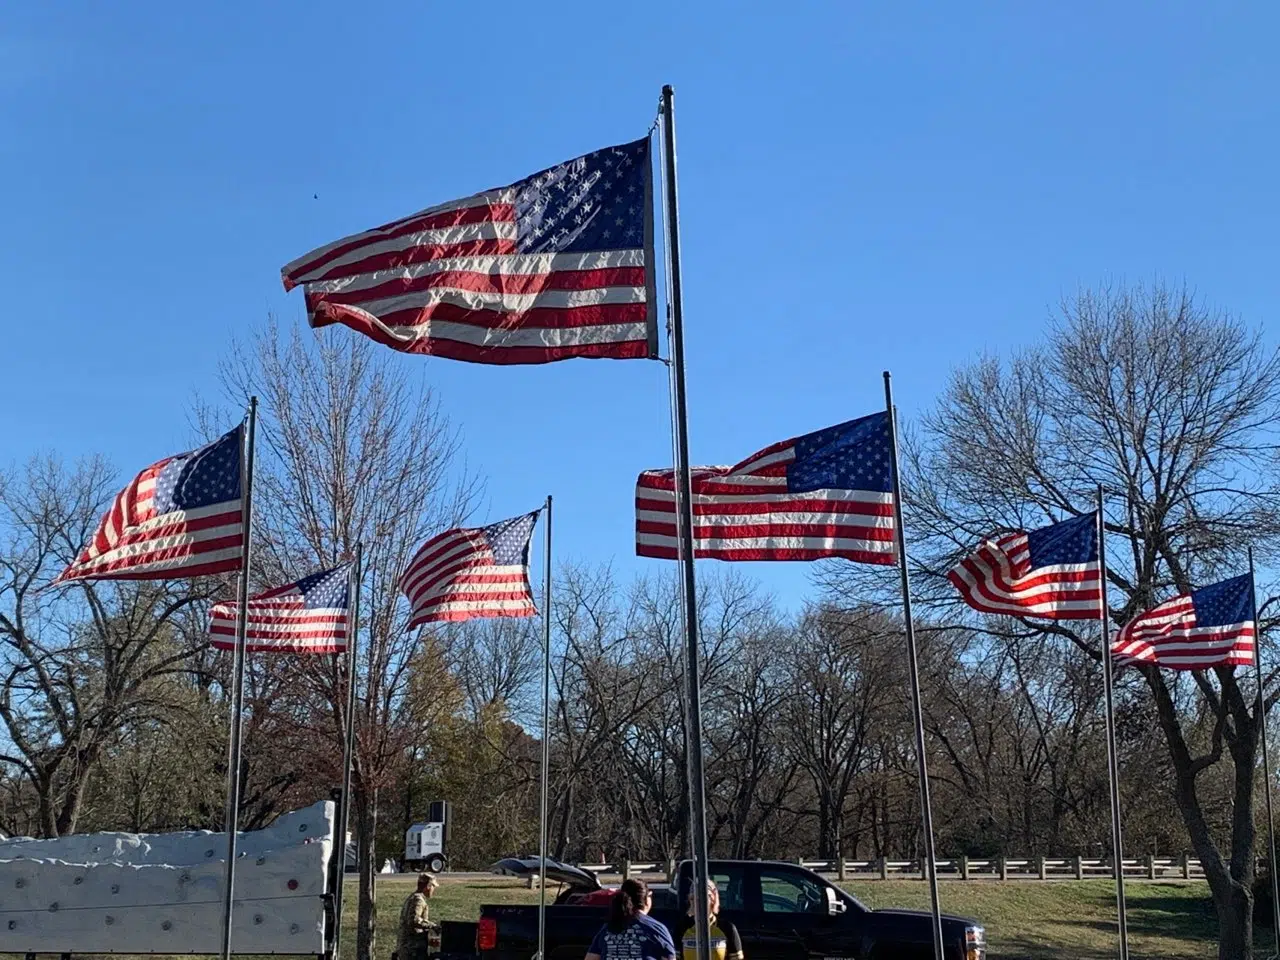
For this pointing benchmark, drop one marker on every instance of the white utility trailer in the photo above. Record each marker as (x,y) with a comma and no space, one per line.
(426,845)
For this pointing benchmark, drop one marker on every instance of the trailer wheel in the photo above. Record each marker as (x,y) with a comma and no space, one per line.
(436,863)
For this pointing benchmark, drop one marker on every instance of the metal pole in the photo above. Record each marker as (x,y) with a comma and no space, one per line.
(1113,764)
(1266,760)
(546,737)
(237,685)
(926,807)
(349,747)
(684,511)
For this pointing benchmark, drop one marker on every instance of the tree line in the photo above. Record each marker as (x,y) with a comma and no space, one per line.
(113,708)
(807,726)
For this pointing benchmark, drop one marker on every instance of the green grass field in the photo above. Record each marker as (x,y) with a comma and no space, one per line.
(1025,920)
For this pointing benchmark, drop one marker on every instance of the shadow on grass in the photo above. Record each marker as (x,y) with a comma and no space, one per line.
(1171,923)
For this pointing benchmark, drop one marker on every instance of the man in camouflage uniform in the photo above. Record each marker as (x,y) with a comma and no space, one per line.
(415,922)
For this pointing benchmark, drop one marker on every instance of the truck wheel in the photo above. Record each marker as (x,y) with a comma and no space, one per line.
(436,864)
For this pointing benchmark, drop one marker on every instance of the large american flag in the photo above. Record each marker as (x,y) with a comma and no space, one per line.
(309,616)
(826,494)
(556,265)
(180,517)
(472,572)
(1052,572)
(1209,627)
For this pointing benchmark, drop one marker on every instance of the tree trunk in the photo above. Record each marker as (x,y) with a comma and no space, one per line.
(366,806)
(562,832)
(73,801)
(44,801)
(828,827)
(1230,882)
(1235,924)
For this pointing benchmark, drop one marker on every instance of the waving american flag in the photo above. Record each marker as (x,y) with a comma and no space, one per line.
(180,517)
(1209,627)
(826,494)
(557,265)
(472,572)
(309,616)
(1052,572)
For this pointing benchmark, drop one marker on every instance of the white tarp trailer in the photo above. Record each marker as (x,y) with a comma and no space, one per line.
(163,893)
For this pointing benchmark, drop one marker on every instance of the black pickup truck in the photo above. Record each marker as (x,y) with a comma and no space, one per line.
(782,912)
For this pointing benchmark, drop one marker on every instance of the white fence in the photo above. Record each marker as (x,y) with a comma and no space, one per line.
(961,868)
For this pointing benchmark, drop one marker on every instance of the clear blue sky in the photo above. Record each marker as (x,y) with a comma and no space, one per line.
(863,186)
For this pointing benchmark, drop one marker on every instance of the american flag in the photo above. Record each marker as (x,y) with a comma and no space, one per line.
(472,572)
(826,494)
(309,616)
(180,517)
(1209,627)
(556,265)
(1052,572)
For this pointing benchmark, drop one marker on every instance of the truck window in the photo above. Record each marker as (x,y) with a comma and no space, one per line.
(730,879)
(785,892)
(730,882)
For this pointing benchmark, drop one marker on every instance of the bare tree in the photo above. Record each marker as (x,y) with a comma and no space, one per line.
(844,675)
(652,745)
(753,778)
(81,662)
(496,662)
(596,697)
(352,450)
(1173,407)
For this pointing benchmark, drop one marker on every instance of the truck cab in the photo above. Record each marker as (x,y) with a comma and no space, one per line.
(783,912)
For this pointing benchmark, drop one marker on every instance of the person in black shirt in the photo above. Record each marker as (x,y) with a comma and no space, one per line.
(726,944)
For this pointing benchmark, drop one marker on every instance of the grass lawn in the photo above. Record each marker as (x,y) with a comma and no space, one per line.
(1070,918)
(1025,920)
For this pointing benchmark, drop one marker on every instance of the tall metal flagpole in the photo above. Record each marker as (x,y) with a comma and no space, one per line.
(546,737)
(237,685)
(926,807)
(1113,765)
(684,511)
(1266,760)
(349,747)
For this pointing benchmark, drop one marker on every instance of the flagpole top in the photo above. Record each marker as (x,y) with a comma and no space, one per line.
(668,90)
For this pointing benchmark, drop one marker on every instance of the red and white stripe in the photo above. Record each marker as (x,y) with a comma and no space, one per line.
(1167,636)
(448,282)
(745,512)
(132,542)
(998,578)
(453,576)
(280,625)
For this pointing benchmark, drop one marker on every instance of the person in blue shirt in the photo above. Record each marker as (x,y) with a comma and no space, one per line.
(631,934)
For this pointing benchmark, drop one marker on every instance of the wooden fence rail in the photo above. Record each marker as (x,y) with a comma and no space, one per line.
(960,868)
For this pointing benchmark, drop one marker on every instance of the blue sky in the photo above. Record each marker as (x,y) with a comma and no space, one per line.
(863,186)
